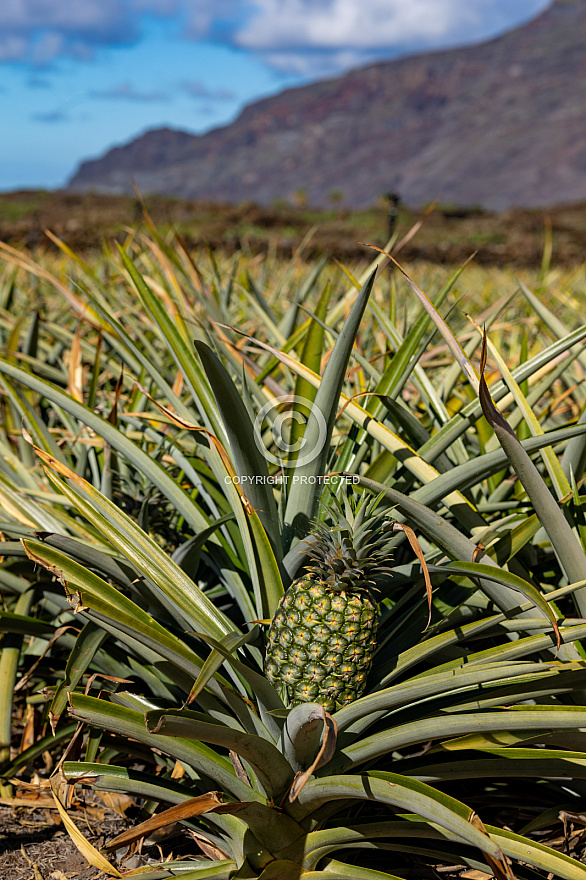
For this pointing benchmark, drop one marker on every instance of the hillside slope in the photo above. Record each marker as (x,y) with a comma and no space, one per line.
(497,124)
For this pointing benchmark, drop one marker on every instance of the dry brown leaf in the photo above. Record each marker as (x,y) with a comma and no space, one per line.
(116,801)
(239,768)
(208,849)
(178,771)
(37,784)
(96,814)
(102,675)
(416,547)
(28,734)
(159,835)
(32,802)
(75,367)
(196,806)
(500,867)
(89,852)
(178,383)
(566,816)
(327,749)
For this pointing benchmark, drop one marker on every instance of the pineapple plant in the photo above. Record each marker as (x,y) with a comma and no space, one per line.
(182,717)
(323,636)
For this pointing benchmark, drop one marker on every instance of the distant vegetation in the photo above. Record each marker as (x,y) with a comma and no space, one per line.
(448,235)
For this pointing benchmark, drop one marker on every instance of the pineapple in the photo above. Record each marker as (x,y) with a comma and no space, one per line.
(323,636)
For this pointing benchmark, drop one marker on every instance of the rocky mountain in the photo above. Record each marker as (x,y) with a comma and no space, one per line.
(497,124)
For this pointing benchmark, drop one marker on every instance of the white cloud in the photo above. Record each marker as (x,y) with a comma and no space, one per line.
(336,24)
(93,17)
(320,36)
(304,37)
(12,47)
(214,18)
(39,31)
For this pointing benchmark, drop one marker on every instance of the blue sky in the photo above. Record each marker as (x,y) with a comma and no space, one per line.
(80,76)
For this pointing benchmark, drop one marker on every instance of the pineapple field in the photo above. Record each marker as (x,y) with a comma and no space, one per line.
(293,562)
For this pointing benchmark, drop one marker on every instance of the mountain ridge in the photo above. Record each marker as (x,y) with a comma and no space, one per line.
(496,124)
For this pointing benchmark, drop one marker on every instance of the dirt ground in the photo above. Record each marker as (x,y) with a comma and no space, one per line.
(34,845)
(448,234)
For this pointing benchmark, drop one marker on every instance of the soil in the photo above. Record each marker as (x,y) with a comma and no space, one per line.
(448,235)
(34,845)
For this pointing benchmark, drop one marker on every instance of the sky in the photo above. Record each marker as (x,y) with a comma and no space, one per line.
(78,77)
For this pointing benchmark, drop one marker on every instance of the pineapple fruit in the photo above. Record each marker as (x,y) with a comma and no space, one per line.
(323,636)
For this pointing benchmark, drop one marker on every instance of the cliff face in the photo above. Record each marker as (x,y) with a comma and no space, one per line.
(498,124)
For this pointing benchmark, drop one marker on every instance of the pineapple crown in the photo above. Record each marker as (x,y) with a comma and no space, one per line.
(352,545)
